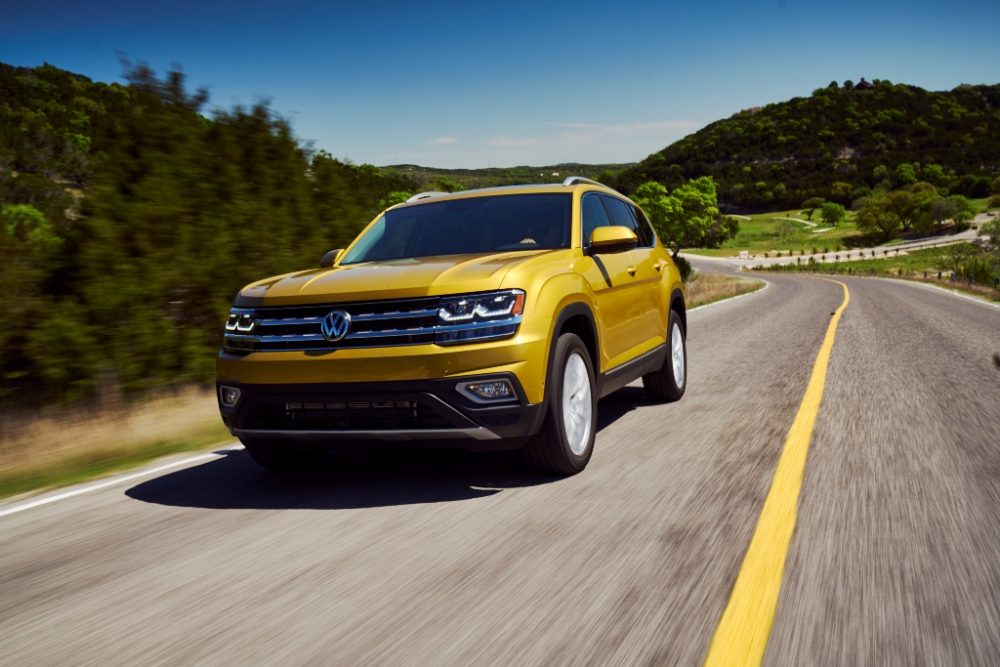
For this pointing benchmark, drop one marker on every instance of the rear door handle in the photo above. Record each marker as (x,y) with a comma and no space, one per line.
(631,270)
(659,265)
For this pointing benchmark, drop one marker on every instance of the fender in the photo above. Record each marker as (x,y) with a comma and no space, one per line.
(677,298)
(574,309)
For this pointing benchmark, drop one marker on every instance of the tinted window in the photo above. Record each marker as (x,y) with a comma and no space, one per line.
(593,216)
(461,226)
(647,238)
(623,214)
(627,215)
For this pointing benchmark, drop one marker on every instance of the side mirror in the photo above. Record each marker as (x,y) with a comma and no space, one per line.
(608,240)
(330,258)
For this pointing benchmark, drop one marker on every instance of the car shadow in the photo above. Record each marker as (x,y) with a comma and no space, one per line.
(358,479)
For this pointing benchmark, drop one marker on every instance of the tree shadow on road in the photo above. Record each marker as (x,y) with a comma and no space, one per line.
(358,479)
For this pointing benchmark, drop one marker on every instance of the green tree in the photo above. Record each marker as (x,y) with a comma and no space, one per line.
(688,216)
(27,226)
(394,198)
(446,184)
(810,205)
(938,211)
(906,174)
(992,230)
(841,191)
(964,210)
(832,214)
(129,216)
(878,217)
(934,173)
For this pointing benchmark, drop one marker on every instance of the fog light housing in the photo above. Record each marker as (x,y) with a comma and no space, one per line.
(229,396)
(488,391)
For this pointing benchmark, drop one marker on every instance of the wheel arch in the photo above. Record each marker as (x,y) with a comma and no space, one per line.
(677,303)
(577,318)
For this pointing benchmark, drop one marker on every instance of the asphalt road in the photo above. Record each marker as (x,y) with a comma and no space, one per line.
(450,559)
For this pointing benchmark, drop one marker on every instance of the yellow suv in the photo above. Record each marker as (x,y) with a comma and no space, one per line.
(491,318)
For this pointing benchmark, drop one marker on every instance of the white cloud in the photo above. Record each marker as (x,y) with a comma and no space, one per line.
(442,141)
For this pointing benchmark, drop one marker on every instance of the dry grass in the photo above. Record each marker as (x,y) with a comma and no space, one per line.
(705,288)
(72,445)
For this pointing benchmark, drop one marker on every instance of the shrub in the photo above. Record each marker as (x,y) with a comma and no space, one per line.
(684,267)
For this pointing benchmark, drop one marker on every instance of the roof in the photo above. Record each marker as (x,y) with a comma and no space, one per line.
(569,185)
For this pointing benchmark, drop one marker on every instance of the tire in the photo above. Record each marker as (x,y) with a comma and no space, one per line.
(282,455)
(668,383)
(565,442)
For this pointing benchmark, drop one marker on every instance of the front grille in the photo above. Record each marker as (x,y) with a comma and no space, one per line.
(326,414)
(373,323)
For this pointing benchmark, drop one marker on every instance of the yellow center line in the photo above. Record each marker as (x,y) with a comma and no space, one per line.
(745,627)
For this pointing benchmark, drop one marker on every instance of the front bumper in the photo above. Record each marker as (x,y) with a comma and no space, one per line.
(525,356)
(399,411)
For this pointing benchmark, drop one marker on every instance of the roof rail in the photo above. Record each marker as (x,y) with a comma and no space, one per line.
(573,180)
(425,195)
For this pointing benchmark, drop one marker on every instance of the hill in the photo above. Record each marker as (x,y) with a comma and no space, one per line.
(467,179)
(839,143)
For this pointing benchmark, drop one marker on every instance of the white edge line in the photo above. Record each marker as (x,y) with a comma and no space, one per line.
(733,298)
(111,482)
(917,283)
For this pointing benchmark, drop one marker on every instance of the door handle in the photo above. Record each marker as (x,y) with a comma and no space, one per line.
(631,270)
(659,265)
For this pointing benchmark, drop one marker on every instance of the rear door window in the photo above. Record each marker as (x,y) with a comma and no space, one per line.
(647,238)
(624,214)
(593,215)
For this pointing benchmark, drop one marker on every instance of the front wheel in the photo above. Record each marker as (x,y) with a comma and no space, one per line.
(668,383)
(566,441)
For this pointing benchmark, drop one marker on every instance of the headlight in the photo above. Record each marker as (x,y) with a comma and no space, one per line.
(239,329)
(240,320)
(473,317)
(492,305)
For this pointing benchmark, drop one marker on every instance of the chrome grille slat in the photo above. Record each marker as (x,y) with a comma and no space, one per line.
(376,317)
(373,323)
(361,317)
(381,333)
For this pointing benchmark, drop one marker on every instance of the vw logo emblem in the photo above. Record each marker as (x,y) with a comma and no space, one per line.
(335,325)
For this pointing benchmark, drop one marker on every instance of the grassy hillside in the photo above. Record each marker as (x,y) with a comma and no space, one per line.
(785,231)
(467,179)
(839,143)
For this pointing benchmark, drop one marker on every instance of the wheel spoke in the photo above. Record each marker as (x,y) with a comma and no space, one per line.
(677,355)
(577,405)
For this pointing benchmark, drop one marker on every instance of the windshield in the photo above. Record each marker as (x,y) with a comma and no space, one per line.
(476,225)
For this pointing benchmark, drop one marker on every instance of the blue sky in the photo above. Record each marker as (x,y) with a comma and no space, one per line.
(464,84)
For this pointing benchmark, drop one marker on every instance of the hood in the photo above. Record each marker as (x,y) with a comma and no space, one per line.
(391,279)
